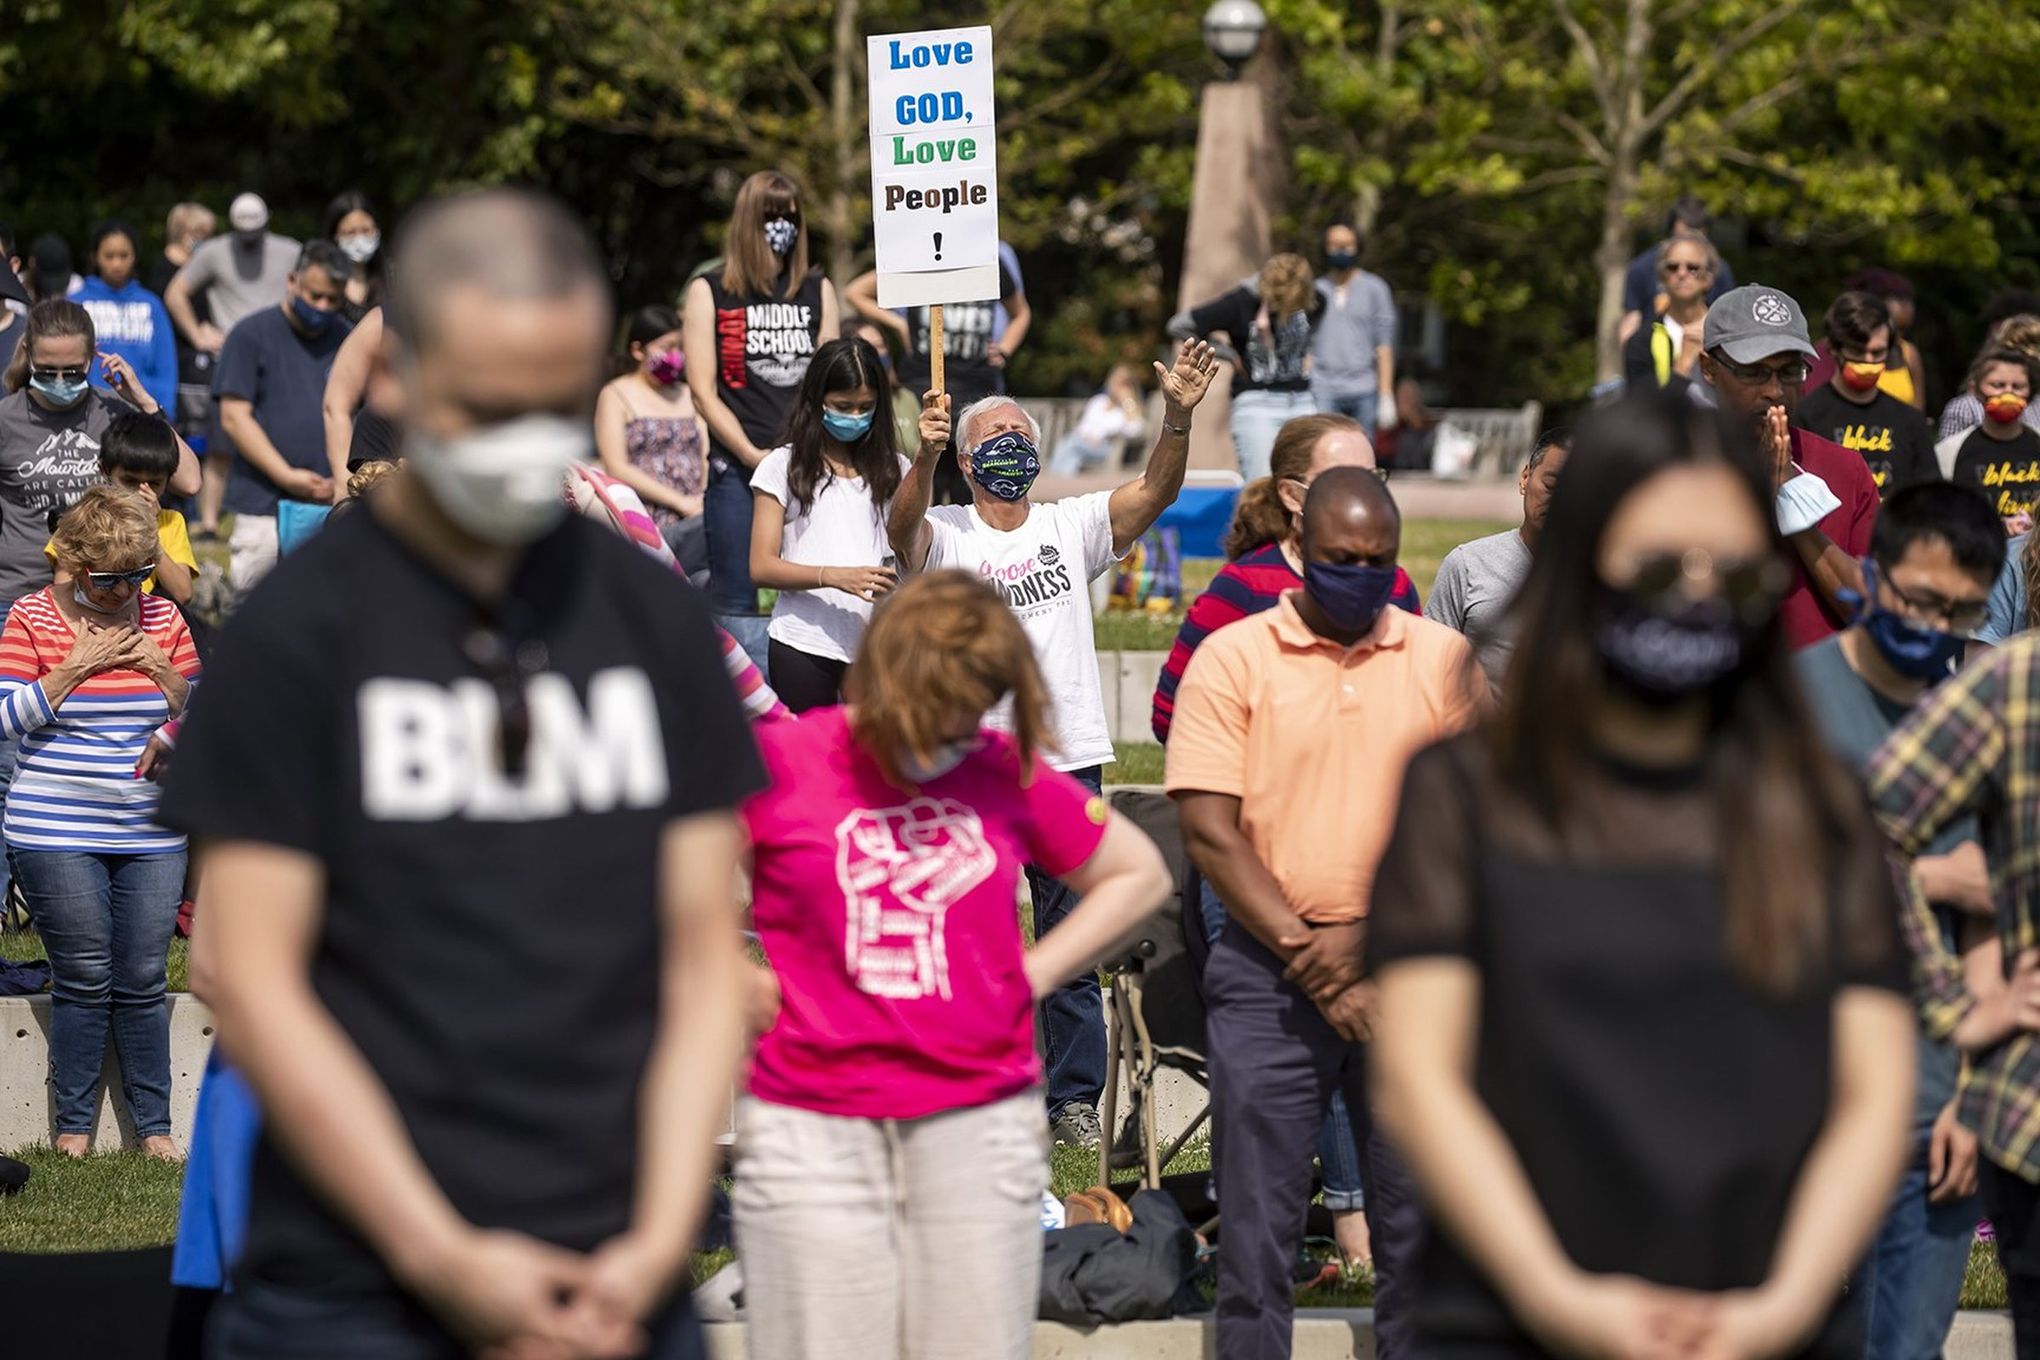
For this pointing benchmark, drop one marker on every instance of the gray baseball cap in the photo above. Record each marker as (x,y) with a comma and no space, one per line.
(1754,322)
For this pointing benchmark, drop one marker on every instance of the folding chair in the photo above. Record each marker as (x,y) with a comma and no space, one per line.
(1156,1008)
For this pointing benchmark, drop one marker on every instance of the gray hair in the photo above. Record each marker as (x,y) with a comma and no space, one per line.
(978,410)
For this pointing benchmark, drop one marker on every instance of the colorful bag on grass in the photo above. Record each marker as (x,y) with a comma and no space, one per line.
(1150,577)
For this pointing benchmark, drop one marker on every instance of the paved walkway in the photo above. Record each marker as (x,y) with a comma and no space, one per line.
(1420,496)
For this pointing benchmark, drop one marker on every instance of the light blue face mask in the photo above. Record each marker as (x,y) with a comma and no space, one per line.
(60,391)
(845,428)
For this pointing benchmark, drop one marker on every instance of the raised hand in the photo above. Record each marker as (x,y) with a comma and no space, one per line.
(122,376)
(934,423)
(1185,385)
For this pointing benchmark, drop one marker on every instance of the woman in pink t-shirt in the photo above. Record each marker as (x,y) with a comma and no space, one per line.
(891,1152)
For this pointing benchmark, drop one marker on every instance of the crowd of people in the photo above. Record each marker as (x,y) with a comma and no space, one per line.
(1558,930)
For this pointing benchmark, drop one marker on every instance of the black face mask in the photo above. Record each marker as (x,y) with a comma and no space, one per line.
(1663,657)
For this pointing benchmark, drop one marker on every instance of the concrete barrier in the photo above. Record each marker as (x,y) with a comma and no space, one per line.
(28,1101)
(1321,1334)
(1128,680)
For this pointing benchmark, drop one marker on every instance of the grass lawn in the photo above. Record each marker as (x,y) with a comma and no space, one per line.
(23,945)
(1425,543)
(121,1200)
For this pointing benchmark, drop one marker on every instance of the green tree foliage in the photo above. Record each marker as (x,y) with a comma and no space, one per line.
(1503,156)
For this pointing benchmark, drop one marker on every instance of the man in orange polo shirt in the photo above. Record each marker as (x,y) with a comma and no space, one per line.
(1286,759)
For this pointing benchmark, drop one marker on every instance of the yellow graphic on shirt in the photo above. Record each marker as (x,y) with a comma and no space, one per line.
(2017,485)
(1097,810)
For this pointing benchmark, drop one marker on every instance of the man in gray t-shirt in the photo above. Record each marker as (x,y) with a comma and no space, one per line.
(1477,581)
(239,274)
(1352,350)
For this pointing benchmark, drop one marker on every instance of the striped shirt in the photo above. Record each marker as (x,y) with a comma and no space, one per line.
(1241,588)
(75,787)
(1972,745)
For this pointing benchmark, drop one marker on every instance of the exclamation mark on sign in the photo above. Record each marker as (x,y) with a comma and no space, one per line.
(938,245)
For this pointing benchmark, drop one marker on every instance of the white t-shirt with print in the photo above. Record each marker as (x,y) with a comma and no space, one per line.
(1044,569)
(841,528)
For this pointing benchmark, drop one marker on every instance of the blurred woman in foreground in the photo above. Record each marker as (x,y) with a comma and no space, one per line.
(1641,978)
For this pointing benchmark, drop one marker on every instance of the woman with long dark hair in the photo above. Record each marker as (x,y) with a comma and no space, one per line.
(649,436)
(1637,945)
(751,328)
(818,523)
(352,225)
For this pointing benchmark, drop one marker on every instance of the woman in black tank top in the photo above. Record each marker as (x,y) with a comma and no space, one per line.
(751,328)
(1643,1032)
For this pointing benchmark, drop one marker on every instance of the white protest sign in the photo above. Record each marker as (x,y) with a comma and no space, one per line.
(934,167)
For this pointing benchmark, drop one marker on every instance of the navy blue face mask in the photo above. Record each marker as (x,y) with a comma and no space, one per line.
(1916,652)
(309,317)
(1006,465)
(1351,594)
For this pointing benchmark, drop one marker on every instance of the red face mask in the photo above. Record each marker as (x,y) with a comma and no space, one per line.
(2005,407)
(1861,377)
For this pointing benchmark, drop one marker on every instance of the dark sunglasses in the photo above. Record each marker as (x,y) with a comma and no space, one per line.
(508,667)
(1752,589)
(61,374)
(1682,267)
(107,580)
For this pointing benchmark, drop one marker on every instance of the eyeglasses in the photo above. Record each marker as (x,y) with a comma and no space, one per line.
(1865,358)
(60,374)
(1791,374)
(1961,616)
(1684,267)
(1752,588)
(508,667)
(1303,486)
(107,580)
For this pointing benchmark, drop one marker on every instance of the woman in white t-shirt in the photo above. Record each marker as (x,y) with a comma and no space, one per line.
(818,521)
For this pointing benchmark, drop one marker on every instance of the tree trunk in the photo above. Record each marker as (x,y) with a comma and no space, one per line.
(847,130)
(1367,203)
(1611,262)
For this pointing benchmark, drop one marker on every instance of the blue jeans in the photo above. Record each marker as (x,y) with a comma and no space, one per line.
(726,515)
(1257,417)
(1073,1019)
(265,1321)
(106,921)
(10,756)
(1338,1151)
(1360,406)
(1911,1281)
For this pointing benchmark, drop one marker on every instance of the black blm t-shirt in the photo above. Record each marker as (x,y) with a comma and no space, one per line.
(2005,470)
(491,945)
(968,373)
(1639,1079)
(1892,435)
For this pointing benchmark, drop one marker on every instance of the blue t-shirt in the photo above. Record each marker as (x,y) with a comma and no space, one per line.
(283,374)
(131,321)
(1855,719)
(2005,615)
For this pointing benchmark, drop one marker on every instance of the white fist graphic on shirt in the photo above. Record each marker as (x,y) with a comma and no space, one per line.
(900,870)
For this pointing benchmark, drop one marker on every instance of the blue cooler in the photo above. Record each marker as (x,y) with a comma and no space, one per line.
(1203,512)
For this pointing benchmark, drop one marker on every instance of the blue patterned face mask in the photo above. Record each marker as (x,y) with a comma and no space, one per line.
(1006,465)
(780,235)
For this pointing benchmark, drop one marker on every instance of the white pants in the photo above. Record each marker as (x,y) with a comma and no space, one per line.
(253,549)
(868,1239)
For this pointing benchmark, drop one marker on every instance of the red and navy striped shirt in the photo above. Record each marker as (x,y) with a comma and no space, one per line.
(75,787)
(1248,586)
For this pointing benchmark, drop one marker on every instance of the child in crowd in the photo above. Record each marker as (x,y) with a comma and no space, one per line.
(138,453)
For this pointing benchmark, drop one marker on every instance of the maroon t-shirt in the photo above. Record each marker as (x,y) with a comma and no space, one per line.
(1807,620)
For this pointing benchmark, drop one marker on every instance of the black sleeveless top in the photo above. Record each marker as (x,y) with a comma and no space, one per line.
(1661,1107)
(762,349)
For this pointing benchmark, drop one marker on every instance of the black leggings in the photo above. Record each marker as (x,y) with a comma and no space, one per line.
(804,681)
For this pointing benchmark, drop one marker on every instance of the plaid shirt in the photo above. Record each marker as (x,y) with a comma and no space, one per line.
(1973,745)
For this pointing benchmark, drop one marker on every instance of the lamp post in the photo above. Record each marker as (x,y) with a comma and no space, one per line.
(1236,178)
(1232,30)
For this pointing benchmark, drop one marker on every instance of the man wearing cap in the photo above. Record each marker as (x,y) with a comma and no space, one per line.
(240,273)
(1756,359)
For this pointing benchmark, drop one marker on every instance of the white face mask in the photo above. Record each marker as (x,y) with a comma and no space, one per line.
(361,249)
(502,483)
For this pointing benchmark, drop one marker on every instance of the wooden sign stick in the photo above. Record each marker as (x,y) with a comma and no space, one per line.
(935,347)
